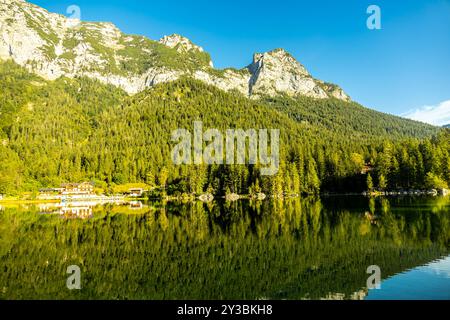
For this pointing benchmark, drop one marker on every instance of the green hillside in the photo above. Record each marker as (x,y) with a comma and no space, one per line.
(79,129)
(344,117)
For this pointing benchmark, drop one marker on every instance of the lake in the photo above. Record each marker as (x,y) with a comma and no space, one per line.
(310,248)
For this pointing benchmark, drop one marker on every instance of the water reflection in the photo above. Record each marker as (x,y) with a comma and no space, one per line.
(68,210)
(293,249)
(431,281)
(76,209)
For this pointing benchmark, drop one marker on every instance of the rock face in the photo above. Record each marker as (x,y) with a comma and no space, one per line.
(180,43)
(52,46)
(277,72)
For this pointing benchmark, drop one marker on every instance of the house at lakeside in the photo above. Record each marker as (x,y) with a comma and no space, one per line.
(84,190)
(79,189)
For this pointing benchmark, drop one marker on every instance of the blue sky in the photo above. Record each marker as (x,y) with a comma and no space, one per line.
(403,69)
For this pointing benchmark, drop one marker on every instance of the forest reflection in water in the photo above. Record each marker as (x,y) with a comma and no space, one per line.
(292,249)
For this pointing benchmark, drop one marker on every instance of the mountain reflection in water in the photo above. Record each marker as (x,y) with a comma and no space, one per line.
(294,249)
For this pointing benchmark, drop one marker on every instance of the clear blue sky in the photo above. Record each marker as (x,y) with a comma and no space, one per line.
(403,66)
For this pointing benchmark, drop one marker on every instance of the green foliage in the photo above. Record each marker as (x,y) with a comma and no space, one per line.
(382,183)
(434,181)
(350,118)
(369,183)
(221,72)
(11,170)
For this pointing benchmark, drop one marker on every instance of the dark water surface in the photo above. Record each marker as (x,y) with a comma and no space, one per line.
(292,249)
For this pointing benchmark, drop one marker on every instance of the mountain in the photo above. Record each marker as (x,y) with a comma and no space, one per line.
(53,46)
(446,126)
(81,101)
(82,130)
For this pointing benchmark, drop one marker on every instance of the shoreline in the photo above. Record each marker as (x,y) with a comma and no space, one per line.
(24,201)
(227,198)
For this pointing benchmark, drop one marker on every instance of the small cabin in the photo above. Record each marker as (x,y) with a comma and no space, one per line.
(136,192)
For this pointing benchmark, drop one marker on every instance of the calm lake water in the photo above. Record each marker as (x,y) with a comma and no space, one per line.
(292,249)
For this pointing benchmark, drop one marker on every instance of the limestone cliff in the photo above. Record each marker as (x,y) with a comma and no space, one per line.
(52,45)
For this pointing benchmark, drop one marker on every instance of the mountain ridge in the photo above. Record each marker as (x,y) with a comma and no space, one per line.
(52,45)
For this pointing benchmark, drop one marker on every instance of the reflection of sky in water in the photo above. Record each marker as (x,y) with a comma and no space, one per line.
(431,281)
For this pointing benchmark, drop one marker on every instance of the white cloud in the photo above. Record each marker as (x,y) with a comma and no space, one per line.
(437,115)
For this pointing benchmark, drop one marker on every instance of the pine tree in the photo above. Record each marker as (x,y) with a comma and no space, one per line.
(382,183)
(369,183)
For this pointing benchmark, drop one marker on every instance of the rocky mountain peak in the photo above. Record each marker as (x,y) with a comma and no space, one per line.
(180,43)
(52,45)
(279,59)
(277,71)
